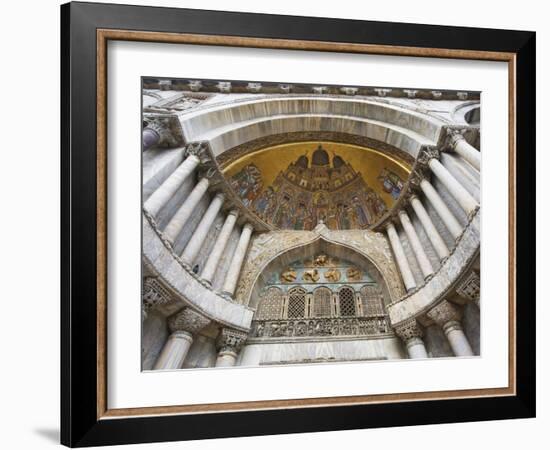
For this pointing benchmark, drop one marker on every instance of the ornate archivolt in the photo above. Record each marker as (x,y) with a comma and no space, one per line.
(266,247)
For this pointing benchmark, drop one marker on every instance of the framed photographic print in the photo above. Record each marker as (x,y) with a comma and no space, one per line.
(277,224)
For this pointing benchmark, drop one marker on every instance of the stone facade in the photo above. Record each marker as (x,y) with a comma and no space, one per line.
(347,290)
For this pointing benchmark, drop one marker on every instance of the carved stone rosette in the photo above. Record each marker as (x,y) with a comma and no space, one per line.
(446,316)
(187,321)
(154,295)
(230,341)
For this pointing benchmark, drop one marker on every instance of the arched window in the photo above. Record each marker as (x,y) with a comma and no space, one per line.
(321,302)
(296,303)
(371,300)
(346,298)
(271,304)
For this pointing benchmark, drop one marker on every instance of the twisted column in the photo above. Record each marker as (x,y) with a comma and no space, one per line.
(232,276)
(229,344)
(429,227)
(447,317)
(199,235)
(441,208)
(169,187)
(421,257)
(400,257)
(209,269)
(182,215)
(183,326)
(411,334)
(460,145)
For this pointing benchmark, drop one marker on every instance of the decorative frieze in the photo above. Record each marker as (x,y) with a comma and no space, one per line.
(326,327)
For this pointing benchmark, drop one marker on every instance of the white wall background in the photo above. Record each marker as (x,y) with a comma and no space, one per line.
(29,241)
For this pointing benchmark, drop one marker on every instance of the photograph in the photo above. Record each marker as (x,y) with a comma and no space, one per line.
(288,223)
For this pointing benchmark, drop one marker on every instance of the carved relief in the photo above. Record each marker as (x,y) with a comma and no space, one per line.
(187,320)
(288,275)
(311,275)
(409,330)
(154,294)
(230,340)
(333,275)
(469,287)
(354,274)
(443,313)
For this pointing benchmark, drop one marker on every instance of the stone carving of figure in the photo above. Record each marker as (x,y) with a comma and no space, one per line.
(289,275)
(332,275)
(311,275)
(321,260)
(353,274)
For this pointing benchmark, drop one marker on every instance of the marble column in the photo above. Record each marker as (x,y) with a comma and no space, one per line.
(429,227)
(447,316)
(232,276)
(468,152)
(411,334)
(459,193)
(183,326)
(169,187)
(182,215)
(421,257)
(199,235)
(211,265)
(400,257)
(149,137)
(229,344)
(441,208)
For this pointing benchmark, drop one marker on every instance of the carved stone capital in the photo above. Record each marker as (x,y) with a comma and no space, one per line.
(427,153)
(168,128)
(200,150)
(409,330)
(154,295)
(187,320)
(230,340)
(444,313)
(469,287)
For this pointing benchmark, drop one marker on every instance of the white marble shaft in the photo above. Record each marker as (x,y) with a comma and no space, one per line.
(209,269)
(169,187)
(457,339)
(226,358)
(432,233)
(182,215)
(442,209)
(416,348)
(232,276)
(420,254)
(199,235)
(459,193)
(174,351)
(402,263)
(466,151)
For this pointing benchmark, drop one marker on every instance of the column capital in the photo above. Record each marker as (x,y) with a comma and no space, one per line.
(230,340)
(200,150)
(220,196)
(426,154)
(453,138)
(409,330)
(469,287)
(154,295)
(444,313)
(187,320)
(248,226)
(233,212)
(168,128)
